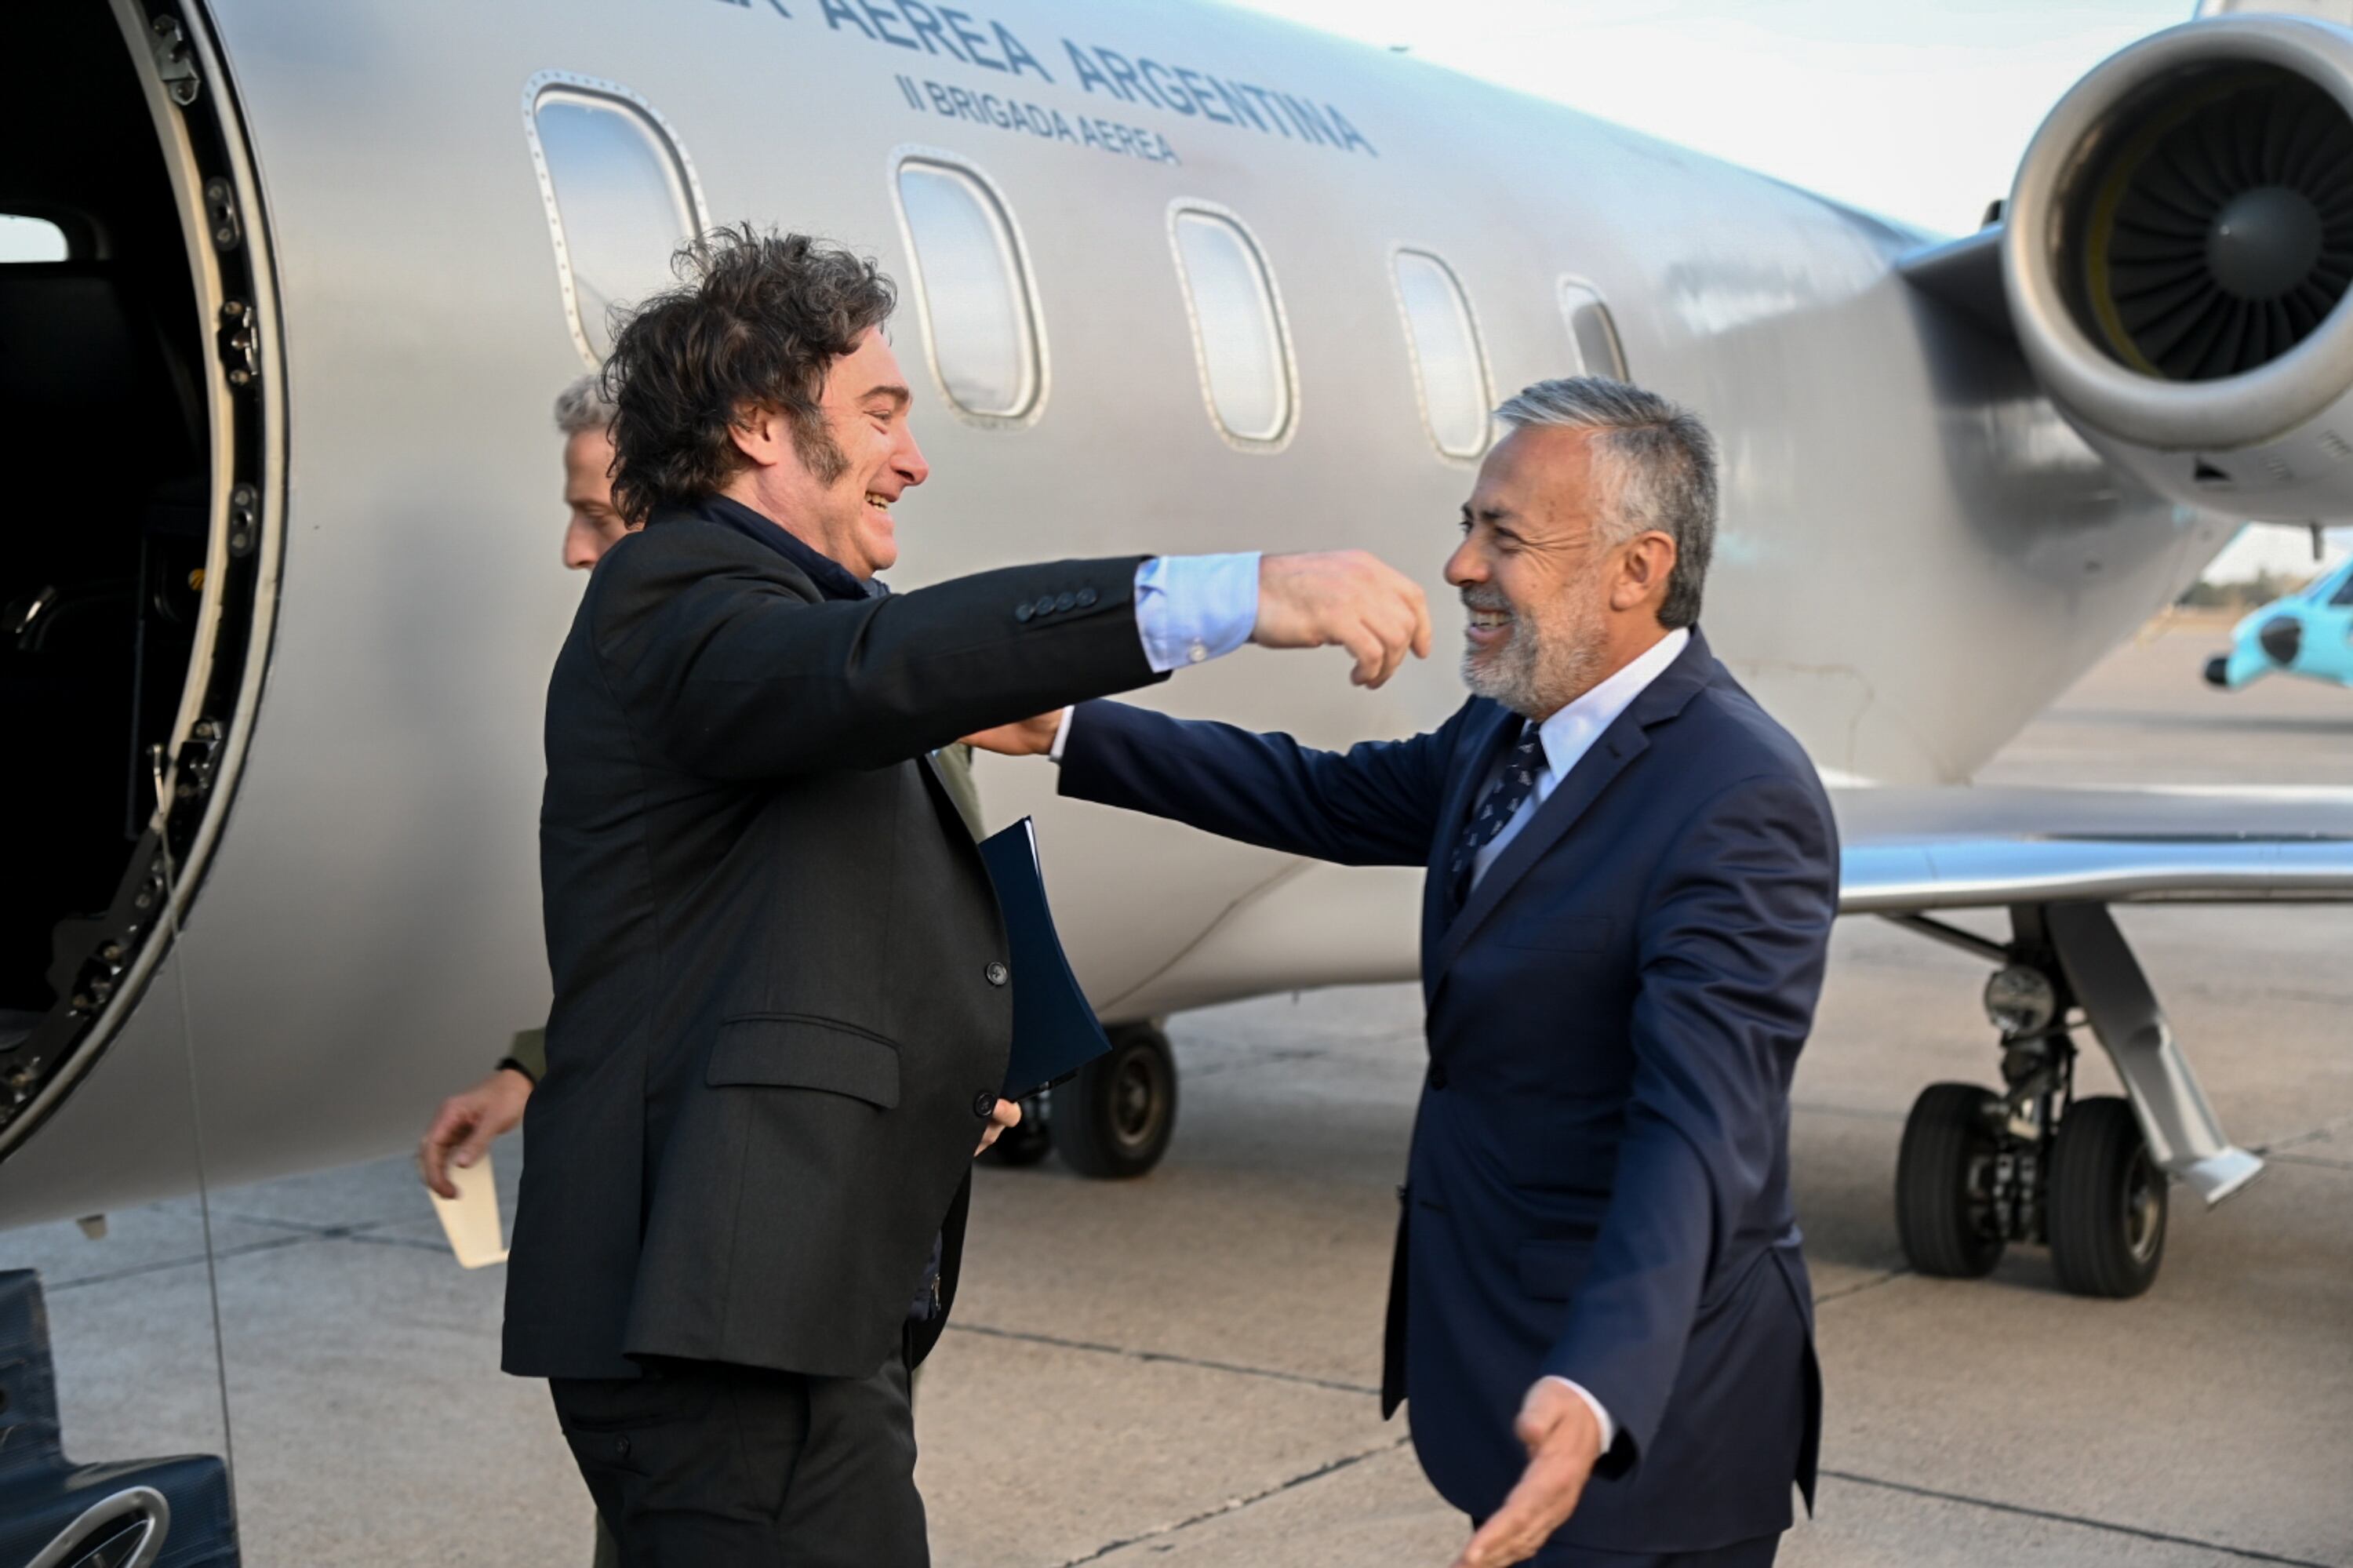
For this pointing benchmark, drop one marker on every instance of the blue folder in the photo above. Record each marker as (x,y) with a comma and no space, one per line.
(1055,1031)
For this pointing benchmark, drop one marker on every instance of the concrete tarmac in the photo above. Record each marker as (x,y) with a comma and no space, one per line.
(1180,1369)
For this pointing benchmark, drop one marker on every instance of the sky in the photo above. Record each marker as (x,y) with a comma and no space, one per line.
(1915,109)
(1918,110)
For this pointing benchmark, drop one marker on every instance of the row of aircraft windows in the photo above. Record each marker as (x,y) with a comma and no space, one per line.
(621,194)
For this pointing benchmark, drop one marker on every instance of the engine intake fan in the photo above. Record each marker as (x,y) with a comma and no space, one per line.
(2219,234)
(2177,252)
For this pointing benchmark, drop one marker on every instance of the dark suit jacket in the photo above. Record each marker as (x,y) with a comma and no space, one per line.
(781,1012)
(1599,1184)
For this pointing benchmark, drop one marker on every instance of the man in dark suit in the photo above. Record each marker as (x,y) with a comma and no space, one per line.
(782,1007)
(1632,877)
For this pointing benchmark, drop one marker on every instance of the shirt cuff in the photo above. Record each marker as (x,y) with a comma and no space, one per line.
(1609,1427)
(1062,735)
(1192,609)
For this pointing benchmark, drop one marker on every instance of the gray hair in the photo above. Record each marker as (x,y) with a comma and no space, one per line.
(583,407)
(1659,461)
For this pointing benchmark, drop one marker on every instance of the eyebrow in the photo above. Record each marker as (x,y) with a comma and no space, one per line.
(896,391)
(1489,514)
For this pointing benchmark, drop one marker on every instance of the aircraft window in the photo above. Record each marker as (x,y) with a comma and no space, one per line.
(1591,330)
(973,286)
(30,240)
(1238,330)
(1447,362)
(621,198)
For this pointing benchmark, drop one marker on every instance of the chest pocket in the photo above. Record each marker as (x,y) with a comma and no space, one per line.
(791,1051)
(1561,933)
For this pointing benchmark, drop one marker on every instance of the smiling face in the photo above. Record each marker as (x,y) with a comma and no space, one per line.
(1556,605)
(833,489)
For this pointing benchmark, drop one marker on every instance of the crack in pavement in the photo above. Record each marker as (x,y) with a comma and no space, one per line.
(1862,1113)
(2246,1552)
(1841,1295)
(1161,1358)
(302,1232)
(1236,1505)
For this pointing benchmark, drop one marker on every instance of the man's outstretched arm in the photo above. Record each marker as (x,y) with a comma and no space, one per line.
(737,678)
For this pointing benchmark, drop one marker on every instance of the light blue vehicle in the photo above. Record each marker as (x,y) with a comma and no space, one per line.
(2309,632)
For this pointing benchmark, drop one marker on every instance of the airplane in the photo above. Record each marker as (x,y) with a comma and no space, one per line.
(2308,632)
(1175,277)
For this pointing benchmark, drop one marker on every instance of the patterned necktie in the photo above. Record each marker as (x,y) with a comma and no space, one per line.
(1513,783)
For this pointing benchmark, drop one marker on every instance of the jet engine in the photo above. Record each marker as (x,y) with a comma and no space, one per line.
(2177,254)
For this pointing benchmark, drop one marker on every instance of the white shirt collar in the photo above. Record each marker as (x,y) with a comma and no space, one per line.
(1570,734)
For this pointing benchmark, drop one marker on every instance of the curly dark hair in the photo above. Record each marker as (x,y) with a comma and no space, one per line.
(757,320)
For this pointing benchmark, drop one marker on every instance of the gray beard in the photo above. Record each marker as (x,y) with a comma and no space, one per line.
(1534,674)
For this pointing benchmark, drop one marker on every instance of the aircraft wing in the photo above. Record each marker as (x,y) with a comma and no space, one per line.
(1909,850)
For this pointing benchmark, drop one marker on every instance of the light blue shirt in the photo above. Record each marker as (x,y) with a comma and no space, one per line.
(1193,609)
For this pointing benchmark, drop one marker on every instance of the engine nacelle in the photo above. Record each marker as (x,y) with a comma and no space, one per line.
(2176,254)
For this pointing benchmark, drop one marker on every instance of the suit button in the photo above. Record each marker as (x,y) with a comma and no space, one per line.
(998,974)
(621,1446)
(1045,605)
(1436,1077)
(984,1105)
(1065,602)
(1084,599)
(1022,612)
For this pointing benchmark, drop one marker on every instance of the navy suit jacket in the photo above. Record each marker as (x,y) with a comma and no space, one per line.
(1599,1184)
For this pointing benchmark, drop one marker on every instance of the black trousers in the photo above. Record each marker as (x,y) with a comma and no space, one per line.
(1756,1553)
(705,1465)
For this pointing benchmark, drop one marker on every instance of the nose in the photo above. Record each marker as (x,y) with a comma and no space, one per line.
(581,544)
(908,460)
(1467,566)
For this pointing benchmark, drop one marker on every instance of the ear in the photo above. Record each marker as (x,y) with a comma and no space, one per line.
(1644,571)
(759,434)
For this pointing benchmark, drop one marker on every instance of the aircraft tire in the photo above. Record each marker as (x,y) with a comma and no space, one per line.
(2107,1202)
(1944,1204)
(1113,1121)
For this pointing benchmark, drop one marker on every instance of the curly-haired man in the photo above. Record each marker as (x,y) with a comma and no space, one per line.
(782,1005)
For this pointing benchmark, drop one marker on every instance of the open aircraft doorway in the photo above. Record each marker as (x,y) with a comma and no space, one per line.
(139,388)
(141,399)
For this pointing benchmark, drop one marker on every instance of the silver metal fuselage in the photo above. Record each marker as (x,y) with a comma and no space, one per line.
(1916,555)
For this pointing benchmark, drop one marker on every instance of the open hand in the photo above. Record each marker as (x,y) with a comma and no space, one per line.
(1563,1440)
(466,1124)
(1344,597)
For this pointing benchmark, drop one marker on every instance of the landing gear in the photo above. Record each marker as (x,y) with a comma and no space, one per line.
(1114,1120)
(2107,1202)
(1979,1168)
(1946,1181)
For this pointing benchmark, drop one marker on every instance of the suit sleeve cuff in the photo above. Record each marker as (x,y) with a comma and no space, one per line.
(1609,1427)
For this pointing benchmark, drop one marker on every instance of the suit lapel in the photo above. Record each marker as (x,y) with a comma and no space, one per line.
(1612,752)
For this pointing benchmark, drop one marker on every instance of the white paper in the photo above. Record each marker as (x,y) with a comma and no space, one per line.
(471,1220)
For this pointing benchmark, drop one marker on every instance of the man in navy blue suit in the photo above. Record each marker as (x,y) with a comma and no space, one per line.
(1599,1312)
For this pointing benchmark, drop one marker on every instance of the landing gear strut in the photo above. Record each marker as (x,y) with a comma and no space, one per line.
(2031,1162)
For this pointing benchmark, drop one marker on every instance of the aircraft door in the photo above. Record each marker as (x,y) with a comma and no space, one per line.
(141,402)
